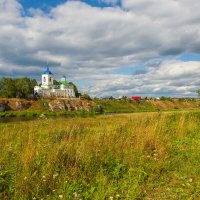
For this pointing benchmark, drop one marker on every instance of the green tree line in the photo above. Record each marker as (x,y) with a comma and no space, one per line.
(16,87)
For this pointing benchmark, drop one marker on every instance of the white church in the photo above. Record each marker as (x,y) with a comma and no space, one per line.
(48,89)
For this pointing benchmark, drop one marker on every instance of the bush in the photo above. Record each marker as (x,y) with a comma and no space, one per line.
(98,109)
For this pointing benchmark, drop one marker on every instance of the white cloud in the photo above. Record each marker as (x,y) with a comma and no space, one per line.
(88,44)
(109,1)
(175,78)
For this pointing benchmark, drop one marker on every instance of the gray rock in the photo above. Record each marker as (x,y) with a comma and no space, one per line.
(57,105)
(2,106)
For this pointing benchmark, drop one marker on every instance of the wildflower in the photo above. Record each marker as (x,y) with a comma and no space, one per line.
(190,180)
(117,195)
(44,177)
(53,190)
(55,175)
(34,198)
(148,156)
(60,196)
(111,198)
(25,178)
(75,194)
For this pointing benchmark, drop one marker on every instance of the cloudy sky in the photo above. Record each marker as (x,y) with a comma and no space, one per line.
(106,47)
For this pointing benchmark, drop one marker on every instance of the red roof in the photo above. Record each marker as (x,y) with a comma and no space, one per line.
(136,97)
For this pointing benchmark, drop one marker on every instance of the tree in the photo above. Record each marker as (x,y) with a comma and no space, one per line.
(111,98)
(7,89)
(124,98)
(85,96)
(77,94)
(24,87)
(55,82)
(20,87)
(98,109)
(198,92)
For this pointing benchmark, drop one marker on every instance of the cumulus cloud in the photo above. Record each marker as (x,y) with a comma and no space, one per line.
(174,77)
(114,2)
(89,44)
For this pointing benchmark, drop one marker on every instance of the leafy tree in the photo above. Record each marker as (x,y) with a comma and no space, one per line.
(55,82)
(20,87)
(111,98)
(24,87)
(98,109)
(85,96)
(124,98)
(75,89)
(8,88)
(198,92)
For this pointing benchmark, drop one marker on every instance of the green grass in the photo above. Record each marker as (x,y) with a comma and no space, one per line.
(129,156)
(129,106)
(39,113)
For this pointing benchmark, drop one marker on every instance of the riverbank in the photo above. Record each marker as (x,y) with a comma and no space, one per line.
(75,108)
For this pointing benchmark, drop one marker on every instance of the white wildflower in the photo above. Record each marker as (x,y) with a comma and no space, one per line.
(55,175)
(190,180)
(75,194)
(60,196)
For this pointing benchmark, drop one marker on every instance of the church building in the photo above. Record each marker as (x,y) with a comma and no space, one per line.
(48,89)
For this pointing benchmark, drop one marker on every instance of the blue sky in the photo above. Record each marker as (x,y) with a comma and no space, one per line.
(133,47)
(47,4)
(41,4)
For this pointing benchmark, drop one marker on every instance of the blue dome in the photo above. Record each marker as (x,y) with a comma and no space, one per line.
(47,71)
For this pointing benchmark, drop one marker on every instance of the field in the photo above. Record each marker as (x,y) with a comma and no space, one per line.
(128,156)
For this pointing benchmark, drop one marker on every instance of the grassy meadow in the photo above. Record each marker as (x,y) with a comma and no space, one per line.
(128,156)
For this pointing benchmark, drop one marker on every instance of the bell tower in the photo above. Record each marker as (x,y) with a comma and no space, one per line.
(47,79)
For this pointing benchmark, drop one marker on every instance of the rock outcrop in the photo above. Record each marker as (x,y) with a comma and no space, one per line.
(67,104)
(53,105)
(2,106)
(19,104)
(14,104)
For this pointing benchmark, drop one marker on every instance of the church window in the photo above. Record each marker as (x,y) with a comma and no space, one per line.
(44,79)
(50,79)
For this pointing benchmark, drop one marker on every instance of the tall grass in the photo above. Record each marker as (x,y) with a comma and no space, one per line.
(132,156)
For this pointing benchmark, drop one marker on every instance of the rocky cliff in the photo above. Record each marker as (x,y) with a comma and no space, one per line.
(66,104)
(14,104)
(52,105)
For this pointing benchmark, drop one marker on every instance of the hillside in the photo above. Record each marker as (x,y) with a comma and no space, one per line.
(106,106)
(127,106)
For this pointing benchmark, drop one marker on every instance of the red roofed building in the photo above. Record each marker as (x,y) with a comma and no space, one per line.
(136,98)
